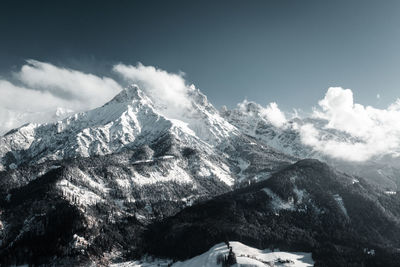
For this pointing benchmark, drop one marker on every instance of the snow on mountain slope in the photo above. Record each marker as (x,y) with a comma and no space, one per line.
(120,166)
(250,118)
(107,195)
(205,120)
(245,256)
(130,119)
(307,206)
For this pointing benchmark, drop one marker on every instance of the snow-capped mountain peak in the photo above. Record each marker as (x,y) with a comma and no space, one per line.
(129,94)
(130,119)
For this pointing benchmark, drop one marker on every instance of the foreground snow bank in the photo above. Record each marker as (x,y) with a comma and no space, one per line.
(245,255)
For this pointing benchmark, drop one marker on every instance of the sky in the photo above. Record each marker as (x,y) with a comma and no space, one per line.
(333,60)
(289,52)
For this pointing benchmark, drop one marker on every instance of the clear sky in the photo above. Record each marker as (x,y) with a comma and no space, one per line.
(289,52)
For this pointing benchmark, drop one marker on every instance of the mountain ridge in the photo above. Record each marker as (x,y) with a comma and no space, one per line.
(383,172)
(116,172)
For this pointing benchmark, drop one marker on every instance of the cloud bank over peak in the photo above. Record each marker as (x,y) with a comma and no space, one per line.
(68,84)
(338,127)
(168,91)
(46,92)
(271,112)
(42,92)
(375,132)
(274,114)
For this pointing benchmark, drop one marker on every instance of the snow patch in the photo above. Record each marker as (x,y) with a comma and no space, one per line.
(174,173)
(142,161)
(153,159)
(78,194)
(79,242)
(245,255)
(390,192)
(221,171)
(183,126)
(124,183)
(278,203)
(243,165)
(339,201)
(12,166)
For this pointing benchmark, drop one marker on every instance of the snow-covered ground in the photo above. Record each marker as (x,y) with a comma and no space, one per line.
(245,255)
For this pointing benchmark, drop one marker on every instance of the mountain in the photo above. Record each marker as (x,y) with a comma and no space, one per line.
(307,206)
(130,119)
(249,117)
(135,177)
(117,167)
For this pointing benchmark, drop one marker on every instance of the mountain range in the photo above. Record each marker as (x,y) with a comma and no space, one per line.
(134,178)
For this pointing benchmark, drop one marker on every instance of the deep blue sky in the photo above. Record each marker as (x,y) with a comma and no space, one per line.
(284,51)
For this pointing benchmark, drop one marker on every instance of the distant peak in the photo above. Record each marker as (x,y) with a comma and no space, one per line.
(128,94)
(249,107)
(197,96)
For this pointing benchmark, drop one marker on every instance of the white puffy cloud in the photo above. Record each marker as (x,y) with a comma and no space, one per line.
(168,91)
(367,131)
(19,105)
(274,115)
(271,112)
(86,90)
(338,127)
(48,92)
(344,129)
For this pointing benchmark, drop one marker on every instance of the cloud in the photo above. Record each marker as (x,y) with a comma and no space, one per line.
(274,115)
(48,92)
(43,92)
(19,105)
(271,112)
(168,91)
(84,89)
(366,131)
(339,128)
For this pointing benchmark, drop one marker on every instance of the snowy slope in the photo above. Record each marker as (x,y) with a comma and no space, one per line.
(250,118)
(245,255)
(194,148)
(130,119)
(119,167)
